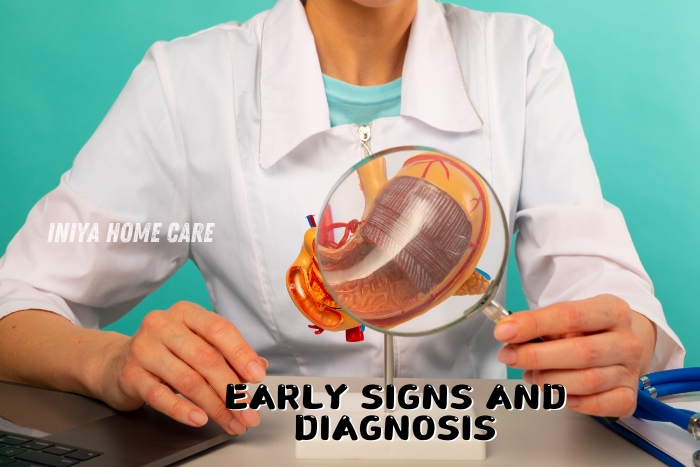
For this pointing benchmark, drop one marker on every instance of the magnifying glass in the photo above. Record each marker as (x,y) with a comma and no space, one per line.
(409,242)
(412,241)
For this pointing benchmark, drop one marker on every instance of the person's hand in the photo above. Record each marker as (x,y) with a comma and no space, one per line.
(191,351)
(597,348)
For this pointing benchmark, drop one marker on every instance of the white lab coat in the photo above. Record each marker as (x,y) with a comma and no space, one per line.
(231,126)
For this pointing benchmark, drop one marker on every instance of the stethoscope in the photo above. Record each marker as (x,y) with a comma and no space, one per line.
(667,383)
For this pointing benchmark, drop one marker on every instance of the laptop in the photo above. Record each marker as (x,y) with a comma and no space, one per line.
(41,427)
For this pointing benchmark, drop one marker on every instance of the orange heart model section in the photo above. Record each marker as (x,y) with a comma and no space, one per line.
(309,294)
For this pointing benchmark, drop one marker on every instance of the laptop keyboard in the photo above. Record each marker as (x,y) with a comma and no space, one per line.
(23,451)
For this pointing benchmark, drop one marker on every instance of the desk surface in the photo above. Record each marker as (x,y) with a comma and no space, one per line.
(525,438)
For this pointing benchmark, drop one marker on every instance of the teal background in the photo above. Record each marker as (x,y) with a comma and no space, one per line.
(635,67)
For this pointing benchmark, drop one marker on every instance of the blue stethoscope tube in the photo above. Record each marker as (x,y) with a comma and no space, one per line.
(679,375)
(662,411)
(666,383)
(646,415)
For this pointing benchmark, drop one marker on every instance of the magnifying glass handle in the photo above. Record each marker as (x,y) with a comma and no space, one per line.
(496,312)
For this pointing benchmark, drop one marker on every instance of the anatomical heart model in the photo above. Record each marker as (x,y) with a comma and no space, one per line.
(398,246)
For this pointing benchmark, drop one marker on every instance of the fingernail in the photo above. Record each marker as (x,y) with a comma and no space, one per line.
(236,426)
(505,331)
(507,355)
(264,362)
(255,371)
(572,401)
(198,418)
(251,417)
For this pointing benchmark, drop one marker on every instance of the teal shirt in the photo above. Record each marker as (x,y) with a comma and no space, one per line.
(360,105)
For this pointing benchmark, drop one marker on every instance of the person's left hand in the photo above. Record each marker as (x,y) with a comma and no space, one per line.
(597,348)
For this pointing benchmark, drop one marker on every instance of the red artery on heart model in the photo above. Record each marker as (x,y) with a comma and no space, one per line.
(426,228)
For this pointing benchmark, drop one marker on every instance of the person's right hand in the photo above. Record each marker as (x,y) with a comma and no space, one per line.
(191,351)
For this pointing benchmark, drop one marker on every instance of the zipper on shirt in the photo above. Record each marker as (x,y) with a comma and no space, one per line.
(365,132)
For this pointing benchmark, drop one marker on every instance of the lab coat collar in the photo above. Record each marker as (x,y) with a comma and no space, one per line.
(293,103)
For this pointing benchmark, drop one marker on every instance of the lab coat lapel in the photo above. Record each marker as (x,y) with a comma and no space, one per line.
(433,89)
(293,103)
(292,97)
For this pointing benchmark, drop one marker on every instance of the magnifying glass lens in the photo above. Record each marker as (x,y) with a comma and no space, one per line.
(411,241)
